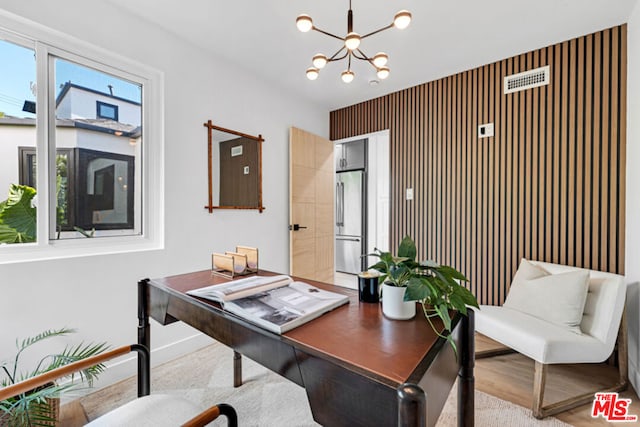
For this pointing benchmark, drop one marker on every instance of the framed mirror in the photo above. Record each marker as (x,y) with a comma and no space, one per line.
(235,169)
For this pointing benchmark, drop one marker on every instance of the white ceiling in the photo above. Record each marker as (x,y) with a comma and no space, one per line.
(444,37)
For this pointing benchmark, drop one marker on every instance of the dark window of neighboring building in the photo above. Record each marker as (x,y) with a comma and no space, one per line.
(94,189)
(106,111)
(65,181)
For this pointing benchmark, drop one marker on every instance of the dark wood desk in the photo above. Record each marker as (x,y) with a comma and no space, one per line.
(358,367)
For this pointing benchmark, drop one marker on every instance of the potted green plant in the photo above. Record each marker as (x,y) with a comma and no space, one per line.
(38,407)
(436,287)
(396,274)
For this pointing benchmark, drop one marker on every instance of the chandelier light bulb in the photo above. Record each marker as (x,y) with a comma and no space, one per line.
(380,59)
(319,61)
(352,41)
(312,73)
(347,76)
(383,73)
(304,23)
(401,20)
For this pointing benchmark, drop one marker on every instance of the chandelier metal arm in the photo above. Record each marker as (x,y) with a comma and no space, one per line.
(334,57)
(314,28)
(377,31)
(364,57)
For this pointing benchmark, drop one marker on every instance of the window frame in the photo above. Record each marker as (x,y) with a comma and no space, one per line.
(47,45)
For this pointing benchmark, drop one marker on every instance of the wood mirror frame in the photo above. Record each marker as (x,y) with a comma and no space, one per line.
(256,161)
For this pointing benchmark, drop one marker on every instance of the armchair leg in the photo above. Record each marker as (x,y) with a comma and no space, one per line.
(483,354)
(539,380)
(540,376)
(623,369)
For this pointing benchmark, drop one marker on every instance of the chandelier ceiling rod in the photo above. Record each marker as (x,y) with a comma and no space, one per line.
(351,42)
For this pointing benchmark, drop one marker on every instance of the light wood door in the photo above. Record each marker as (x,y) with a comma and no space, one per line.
(311,177)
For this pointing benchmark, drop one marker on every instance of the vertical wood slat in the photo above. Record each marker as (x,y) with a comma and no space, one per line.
(622,147)
(580,149)
(549,185)
(588,146)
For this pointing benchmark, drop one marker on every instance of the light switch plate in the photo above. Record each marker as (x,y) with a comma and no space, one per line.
(485,130)
(246,170)
(409,193)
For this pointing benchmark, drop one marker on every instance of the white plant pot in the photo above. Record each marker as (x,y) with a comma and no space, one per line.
(393,304)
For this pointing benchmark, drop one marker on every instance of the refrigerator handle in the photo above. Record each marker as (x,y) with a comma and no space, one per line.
(342,204)
(338,204)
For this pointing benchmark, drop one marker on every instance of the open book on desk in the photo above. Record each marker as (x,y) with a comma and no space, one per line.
(275,303)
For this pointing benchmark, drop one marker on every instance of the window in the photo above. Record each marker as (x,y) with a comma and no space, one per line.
(102,139)
(18,221)
(106,111)
(107,154)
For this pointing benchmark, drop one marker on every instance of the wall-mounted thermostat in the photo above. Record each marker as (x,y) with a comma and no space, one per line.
(485,131)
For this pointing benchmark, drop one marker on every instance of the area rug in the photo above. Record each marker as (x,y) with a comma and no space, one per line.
(266,399)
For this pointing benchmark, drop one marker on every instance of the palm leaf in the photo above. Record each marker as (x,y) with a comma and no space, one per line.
(18,213)
(28,342)
(33,408)
(80,352)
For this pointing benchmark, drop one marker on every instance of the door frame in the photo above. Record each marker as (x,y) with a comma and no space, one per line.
(378,221)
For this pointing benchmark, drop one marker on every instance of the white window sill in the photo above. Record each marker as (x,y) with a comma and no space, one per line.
(58,249)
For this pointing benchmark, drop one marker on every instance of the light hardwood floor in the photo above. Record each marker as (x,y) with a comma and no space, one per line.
(509,377)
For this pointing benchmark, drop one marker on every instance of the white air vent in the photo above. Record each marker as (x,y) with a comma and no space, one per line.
(526,80)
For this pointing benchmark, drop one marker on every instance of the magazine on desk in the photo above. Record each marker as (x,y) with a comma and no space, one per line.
(275,303)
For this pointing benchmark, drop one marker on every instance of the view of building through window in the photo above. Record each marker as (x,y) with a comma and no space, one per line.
(17,129)
(98,139)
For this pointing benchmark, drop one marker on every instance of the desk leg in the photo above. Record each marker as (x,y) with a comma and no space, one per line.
(466,380)
(237,369)
(144,336)
(412,406)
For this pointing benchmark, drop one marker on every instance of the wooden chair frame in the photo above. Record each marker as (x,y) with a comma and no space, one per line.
(201,419)
(540,377)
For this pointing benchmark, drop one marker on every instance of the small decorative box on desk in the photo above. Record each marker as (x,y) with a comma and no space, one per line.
(232,264)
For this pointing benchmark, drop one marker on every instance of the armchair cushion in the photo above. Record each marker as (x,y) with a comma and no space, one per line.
(555,298)
(152,410)
(538,339)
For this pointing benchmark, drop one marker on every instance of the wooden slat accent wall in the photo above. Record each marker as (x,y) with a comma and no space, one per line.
(550,184)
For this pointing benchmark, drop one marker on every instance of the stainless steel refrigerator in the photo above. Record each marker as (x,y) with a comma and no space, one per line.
(350,221)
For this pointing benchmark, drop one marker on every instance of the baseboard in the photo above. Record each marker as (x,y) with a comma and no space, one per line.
(128,366)
(634,377)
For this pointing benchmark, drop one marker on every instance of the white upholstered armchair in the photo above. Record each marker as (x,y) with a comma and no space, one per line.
(558,314)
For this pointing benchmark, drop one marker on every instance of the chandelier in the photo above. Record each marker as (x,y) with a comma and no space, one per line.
(351,46)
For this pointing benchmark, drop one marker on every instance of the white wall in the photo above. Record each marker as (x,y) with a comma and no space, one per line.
(632,199)
(98,294)
(12,137)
